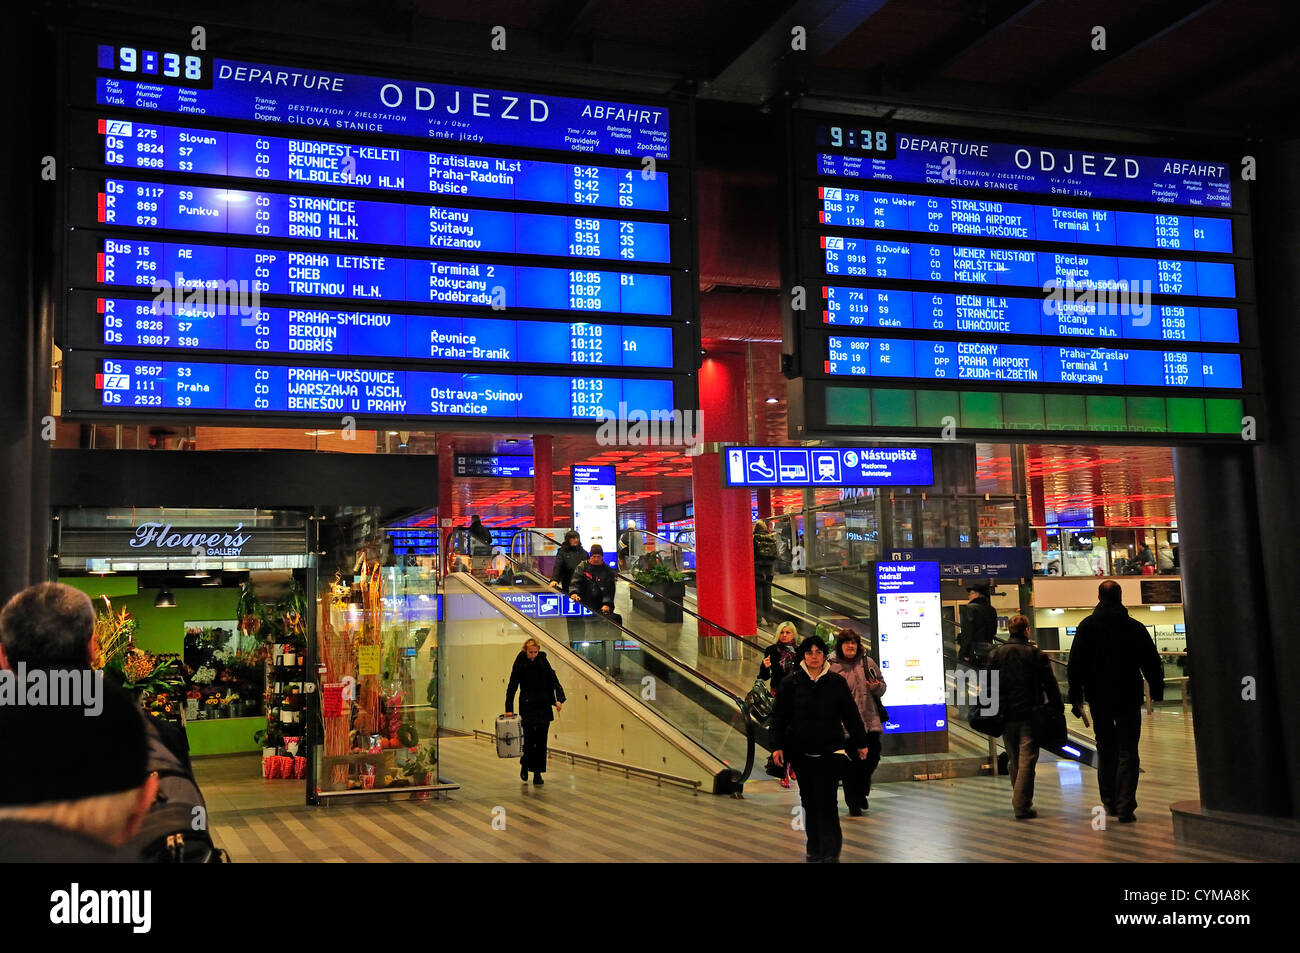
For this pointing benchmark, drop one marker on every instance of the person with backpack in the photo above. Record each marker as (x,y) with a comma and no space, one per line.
(979,627)
(766,551)
(866,683)
(592,584)
(1025,683)
(50,626)
(539,689)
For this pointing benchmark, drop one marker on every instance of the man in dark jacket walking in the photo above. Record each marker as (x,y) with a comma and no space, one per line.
(814,708)
(539,689)
(593,584)
(1025,680)
(1112,653)
(979,627)
(568,557)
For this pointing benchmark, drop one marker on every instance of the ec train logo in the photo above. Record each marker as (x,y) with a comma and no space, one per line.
(117,382)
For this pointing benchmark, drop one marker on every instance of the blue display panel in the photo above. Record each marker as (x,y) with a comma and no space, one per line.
(828,466)
(261,92)
(909,628)
(985,164)
(1030,363)
(267,388)
(130,322)
(991,218)
(341,220)
(140,145)
(1013,267)
(139,264)
(492,465)
(1120,315)
(544,605)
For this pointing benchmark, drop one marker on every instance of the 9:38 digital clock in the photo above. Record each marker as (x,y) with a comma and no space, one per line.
(877,143)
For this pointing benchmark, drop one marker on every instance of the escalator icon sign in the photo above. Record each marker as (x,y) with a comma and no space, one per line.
(760,466)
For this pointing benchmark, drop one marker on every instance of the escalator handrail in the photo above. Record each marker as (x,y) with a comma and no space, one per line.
(744,640)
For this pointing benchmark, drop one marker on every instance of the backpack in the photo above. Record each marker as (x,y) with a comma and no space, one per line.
(765,546)
(168,834)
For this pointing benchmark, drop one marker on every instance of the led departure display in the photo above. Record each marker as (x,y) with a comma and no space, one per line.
(1058,287)
(131,322)
(187,208)
(358,268)
(138,145)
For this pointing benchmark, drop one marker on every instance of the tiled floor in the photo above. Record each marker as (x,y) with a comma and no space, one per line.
(582,814)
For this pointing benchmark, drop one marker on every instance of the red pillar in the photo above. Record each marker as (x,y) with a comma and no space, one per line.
(724,549)
(445,470)
(1038,507)
(651,514)
(764,502)
(543,465)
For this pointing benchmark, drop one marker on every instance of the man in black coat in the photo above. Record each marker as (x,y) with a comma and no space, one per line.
(813,709)
(765,552)
(1112,653)
(568,557)
(1025,681)
(979,627)
(593,584)
(539,689)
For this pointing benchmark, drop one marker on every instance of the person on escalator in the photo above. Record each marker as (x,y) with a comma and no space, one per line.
(979,627)
(480,538)
(867,685)
(593,585)
(778,662)
(765,553)
(814,711)
(568,557)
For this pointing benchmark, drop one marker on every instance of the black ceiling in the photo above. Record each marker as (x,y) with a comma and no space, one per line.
(1218,67)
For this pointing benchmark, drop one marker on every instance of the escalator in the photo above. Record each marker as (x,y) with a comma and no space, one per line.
(693,705)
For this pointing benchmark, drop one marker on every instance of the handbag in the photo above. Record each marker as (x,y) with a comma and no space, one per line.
(1047,726)
(759,701)
(987,724)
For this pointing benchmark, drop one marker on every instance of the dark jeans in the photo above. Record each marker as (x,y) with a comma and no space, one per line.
(819,782)
(1022,760)
(534,756)
(857,775)
(1117,731)
(763,597)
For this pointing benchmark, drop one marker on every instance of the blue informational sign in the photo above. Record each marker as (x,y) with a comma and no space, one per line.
(1123,314)
(909,628)
(828,466)
(1007,563)
(143,145)
(595,508)
(945,160)
(1013,267)
(486,465)
(543,605)
(187,208)
(339,391)
(131,322)
(992,218)
(262,92)
(311,274)
(1028,363)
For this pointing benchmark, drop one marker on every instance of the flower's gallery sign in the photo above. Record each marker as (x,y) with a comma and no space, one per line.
(163,539)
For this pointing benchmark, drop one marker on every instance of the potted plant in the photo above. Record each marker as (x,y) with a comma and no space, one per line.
(668,584)
(419,768)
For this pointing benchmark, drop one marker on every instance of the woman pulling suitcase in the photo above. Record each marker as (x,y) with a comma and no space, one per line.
(539,688)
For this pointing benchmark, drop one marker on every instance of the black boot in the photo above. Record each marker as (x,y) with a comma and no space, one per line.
(537,778)
(523,772)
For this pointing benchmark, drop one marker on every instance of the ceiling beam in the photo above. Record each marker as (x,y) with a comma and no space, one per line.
(1139,35)
(935,60)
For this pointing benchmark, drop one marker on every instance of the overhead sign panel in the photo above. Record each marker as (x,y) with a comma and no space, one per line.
(1058,288)
(828,466)
(417,239)
(910,629)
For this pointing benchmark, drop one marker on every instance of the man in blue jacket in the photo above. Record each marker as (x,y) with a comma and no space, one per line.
(1112,653)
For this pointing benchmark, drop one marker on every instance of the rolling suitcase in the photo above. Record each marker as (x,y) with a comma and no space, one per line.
(510,736)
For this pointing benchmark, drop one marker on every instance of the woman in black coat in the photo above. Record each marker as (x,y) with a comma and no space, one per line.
(539,688)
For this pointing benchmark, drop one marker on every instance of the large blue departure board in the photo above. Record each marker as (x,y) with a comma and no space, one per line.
(956,277)
(251,240)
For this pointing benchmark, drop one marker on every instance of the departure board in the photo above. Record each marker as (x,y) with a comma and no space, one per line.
(289,240)
(962,279)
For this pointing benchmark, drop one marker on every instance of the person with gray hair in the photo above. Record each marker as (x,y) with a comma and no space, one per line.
(48,626)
